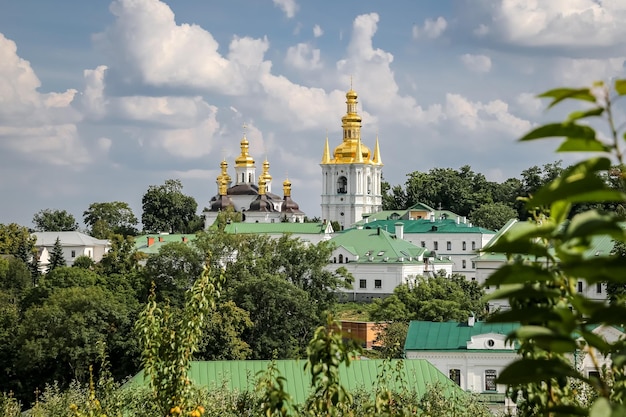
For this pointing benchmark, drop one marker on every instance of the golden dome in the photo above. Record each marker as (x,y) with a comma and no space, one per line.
(266,172)
(244,159)
(347,152)
(287,187)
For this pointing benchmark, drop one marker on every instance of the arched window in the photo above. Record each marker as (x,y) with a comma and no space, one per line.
(369,184)
(342,185)
(340,258)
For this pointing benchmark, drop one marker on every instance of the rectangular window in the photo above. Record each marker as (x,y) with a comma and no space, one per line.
(363,283)
(378,283)
(73,254)
(464,262)
(436,245)
(449,245)
(473,245)
(490,380)
(455,375)
(464,246)
(580,286)
(599,288)
(473,265)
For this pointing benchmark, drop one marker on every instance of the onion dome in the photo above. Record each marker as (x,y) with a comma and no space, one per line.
(244,159)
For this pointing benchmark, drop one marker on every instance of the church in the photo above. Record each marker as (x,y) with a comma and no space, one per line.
(351,182)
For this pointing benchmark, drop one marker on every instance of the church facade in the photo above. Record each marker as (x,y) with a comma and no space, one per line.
(351,174)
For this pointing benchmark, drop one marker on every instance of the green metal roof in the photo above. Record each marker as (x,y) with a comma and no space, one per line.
(450,335)
(378,245)
(282,227)
(382,215)
(141,242)
(427,226)
(241,376)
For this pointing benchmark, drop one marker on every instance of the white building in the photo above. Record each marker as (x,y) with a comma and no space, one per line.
(379,262)
(74,244)
(352,174)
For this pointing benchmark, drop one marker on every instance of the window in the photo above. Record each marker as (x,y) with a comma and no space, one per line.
(334,259)
(473,245)
(464,263)
(490,380)
(455,375)
(473,265)
(423,244)
(464,246)
(378,283)
(340,258)
(436,245)
(599,288)
(342,185)
(449,245)
(73,254)
(580,286)
(363,283)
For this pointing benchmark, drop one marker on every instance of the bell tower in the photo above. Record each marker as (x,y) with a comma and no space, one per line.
(351,175)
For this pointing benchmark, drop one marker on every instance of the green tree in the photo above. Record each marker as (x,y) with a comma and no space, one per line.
(105,219)
(173,270)
(14,277)
(167,209)
(493,216)
(56,256)
(84,261)
(48,220)
(222,336)
(121,258)
(15,238)
(67,277)
(549,256)
(391,338)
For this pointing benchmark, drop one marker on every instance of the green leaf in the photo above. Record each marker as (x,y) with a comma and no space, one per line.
(518,273)
(560,94)
(592,223)
(522,292)
(599,269)
(526,371)
(581,114)
(568,130)
(583,145)
(527,315)
(620,87)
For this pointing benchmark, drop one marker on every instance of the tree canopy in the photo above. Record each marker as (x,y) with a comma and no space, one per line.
(48,220)
(167,209)
(105,219)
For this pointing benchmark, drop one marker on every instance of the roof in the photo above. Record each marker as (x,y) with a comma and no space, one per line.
(241,376)
(450,335)
(381,215)
(68,239)
(141,242)
(377,245)
(427,226)
(282,227)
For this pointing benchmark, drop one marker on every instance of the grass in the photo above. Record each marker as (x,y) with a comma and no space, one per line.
(353,311)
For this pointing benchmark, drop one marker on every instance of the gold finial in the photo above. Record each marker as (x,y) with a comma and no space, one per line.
(377,159)
(326,155)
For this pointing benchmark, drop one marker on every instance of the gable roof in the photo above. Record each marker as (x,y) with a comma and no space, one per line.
(376,245)
(281,227)
(68,239)
(241,376)
(450,335)
(159,240)
(427,226)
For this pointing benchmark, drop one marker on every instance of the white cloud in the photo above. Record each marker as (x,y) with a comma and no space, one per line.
(303,56)
(476,63)
(432,28)
(560,23)
(481,30)
(583,72)
(289,7)
(529,104)
(317,31)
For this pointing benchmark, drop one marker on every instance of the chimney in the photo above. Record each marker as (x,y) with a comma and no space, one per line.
(378,230)
(161,239)
(471,320)
(458,220)
(366,217)
(150,241)
(185,239)
(399,230)
(432,217)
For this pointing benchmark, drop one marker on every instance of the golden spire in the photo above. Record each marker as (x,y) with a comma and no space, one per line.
(377,159)
(261,186)
(224,174)
(223,186)
(359,152)
(287,188)
(326,156)
(244,159)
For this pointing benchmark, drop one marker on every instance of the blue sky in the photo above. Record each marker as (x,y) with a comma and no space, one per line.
(101,99)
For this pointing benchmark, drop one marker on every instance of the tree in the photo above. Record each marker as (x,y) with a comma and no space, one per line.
(549,256)
(173,270)
(15,277)
(391,337)
(492,216)
(49,220)
(84,261)
(167,209)
(121,257)
(56,256)
(222,336)
(15,238)
(105,219)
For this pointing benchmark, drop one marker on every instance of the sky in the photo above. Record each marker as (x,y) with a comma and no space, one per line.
(101,99)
